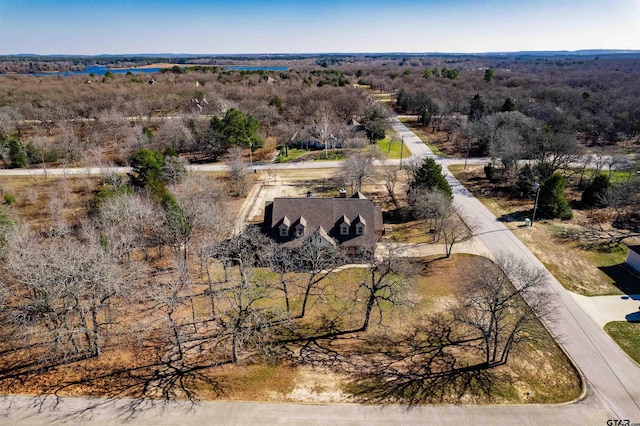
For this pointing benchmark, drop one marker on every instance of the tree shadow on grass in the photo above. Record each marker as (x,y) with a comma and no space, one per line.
(132,392)
(429,372)
(123,392)
(518,216)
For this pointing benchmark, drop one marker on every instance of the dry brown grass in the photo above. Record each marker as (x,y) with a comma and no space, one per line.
(128,360)
(574,265)
(41,200)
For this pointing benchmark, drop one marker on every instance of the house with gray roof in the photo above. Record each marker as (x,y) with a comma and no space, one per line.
(354,223)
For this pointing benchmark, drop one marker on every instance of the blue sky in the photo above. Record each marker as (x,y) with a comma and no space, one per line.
(309,26)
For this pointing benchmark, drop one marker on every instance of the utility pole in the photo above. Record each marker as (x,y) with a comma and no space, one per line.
(467,156)
(401,150)
(536,185)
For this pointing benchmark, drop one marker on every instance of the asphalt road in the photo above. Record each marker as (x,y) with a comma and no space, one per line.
(23,410)
(215,167)
(612,379)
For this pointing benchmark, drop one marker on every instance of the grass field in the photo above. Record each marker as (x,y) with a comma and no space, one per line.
(627,336)
(392,148)
(579,268)
(292,154)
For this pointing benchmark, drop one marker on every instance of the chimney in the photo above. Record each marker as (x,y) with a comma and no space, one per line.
(343,193)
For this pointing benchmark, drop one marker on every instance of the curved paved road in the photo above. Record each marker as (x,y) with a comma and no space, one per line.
(24,410)
(611,375)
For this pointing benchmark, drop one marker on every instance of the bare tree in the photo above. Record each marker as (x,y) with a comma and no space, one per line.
(359,167)
(9,119)
(323,126)
(554,151)
(281,262)
(454,230)
(508,145)
(175,134)
(387,283)
(61,291)
(171,294)
(68,143)
(126,221)
(246,321)
(238,173)
(432,205)
(174,170)
(318,260)
(499,313)
(390,174)
(115,125)
(38,149)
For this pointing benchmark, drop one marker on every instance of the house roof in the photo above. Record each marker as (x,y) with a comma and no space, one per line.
(344,219)
(635,249)
(328,214)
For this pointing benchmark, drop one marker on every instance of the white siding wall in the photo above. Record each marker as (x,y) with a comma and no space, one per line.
(633,260)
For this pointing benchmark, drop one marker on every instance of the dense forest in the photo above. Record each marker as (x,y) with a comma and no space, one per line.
(592,99)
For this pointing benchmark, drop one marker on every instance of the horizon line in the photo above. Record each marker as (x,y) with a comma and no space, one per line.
(562,51)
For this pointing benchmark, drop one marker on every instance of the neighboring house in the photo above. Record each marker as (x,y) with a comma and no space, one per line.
(633,258)
(354,224)
(355,126)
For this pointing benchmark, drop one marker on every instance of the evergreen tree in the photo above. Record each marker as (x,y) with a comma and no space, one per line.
(146,167)
(524,185)
(489,75)
(598,192)
(508,105)
(429,176)
(552,202)
(236,129)
(476,108)
(16,151)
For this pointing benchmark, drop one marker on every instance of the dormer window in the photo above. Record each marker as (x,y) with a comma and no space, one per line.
(360,224)
(284,227)
(344,224)
(302,223)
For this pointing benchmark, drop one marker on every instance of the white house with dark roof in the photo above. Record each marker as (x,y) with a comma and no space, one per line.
(350,223)
(633,258)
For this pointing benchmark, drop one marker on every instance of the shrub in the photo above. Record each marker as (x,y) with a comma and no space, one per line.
(596,194)
(490,172)
(17,153)
(524,185)
(9,199)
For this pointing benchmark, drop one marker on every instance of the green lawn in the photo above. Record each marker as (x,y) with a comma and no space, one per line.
(617,177)
(293,153)
(391,148)
(331,156)
(627,336)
